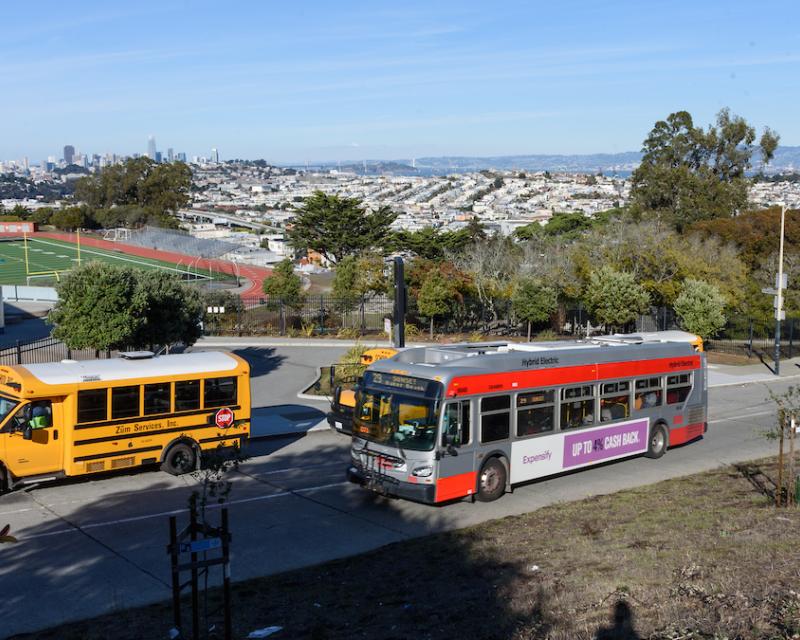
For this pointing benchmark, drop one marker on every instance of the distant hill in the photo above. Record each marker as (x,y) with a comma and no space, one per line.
(787,159)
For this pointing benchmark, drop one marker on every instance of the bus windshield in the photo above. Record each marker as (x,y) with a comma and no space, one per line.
(406,421)
(6,406)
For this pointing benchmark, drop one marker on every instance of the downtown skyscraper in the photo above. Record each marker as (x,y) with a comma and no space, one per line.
(151,147)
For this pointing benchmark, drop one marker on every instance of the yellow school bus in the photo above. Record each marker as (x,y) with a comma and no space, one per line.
(71,418)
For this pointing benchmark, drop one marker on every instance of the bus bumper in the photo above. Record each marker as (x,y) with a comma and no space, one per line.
(391,488)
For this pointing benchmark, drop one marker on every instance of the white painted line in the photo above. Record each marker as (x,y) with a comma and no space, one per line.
(742,417)
(8,513)
(174,512)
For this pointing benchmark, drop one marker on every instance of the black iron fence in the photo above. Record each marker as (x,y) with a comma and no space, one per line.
(47,350)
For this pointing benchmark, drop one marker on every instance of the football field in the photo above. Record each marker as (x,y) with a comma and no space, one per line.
(48,259)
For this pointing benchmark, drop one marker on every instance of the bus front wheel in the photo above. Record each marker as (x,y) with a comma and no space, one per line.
(181,458)
(492,480)
(657,445)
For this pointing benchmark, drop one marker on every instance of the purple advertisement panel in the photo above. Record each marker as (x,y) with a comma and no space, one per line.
(585,447)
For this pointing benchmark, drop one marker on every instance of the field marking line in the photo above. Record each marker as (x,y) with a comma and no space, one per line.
(164,266)
(173,512)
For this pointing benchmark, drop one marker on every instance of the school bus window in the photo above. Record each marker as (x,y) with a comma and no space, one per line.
(156,398)
(92,405)
(648,394)
(615,400)
(219,392)
(535,413)
(577,406)
(187,395)
(124,402)
(678,388)
(495,418)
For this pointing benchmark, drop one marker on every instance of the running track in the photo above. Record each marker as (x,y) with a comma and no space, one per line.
(255,275)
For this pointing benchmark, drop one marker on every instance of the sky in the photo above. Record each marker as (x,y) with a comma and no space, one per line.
(341,81)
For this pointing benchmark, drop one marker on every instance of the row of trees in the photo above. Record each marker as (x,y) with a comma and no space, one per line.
(683,242)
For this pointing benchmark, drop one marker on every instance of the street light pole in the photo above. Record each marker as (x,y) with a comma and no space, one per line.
(779,305)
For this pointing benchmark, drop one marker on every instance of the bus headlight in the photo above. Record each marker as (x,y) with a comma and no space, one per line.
(422,472)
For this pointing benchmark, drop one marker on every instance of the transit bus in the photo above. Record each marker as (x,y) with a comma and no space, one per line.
(73,418)
(439,423)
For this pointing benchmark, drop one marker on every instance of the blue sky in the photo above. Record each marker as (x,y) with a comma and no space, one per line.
(296,81)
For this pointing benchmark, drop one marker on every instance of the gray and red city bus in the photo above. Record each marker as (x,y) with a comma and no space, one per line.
(439,423)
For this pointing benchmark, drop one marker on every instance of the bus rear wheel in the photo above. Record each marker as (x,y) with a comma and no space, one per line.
(5,485)
(181,458)
(657,445)
(491,481)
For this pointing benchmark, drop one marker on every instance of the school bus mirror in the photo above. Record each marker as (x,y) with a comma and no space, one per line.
(27,432)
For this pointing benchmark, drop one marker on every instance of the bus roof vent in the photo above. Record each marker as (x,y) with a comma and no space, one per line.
(137,355)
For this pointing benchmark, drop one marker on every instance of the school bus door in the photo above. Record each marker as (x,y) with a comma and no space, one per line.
(43,453)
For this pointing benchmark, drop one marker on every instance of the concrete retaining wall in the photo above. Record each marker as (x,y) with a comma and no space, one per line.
(14,293)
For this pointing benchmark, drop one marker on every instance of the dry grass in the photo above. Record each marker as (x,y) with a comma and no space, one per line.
(704,556)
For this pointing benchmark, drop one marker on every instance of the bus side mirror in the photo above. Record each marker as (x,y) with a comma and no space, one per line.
(27,432)
(450,441)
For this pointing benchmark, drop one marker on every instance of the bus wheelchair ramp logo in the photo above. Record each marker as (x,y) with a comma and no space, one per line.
(224,418)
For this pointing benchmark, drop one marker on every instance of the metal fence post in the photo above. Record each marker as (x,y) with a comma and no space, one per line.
(750,341)
(363,313)
(19,353)
(791,337)
(282,318)
(321,313)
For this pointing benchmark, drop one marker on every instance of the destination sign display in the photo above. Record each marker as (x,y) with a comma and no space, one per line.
(395,381)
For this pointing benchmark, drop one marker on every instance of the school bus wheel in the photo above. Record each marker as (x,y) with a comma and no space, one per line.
(5,485)
(491,480)
(658,442)
(180,458)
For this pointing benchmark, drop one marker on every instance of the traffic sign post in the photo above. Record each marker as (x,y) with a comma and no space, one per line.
(194,539)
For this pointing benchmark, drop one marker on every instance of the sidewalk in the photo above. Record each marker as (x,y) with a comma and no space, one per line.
(723,375)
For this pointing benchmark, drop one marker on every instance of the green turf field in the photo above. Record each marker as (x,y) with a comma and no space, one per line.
(46,256)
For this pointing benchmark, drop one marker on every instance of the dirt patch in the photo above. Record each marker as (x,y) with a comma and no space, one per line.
(704,556)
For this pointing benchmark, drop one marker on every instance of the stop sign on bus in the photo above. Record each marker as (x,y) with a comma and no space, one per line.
(224,418)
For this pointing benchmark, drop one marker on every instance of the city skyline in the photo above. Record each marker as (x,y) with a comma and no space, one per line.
(351,82)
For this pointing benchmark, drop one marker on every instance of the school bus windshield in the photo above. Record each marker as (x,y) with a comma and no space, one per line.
(7,405)
(403,420)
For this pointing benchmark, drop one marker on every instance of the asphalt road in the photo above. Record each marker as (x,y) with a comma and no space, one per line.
(91,546)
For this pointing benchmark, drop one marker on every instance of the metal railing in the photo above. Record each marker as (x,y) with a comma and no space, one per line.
(47,350)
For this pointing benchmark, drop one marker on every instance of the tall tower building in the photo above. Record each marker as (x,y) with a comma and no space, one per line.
(170,154)
(214,155)
(69,153)
(151,147)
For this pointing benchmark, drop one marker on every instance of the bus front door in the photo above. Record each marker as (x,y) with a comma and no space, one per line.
(456,467)
(33,443)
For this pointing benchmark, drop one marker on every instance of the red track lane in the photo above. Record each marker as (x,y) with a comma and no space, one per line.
(255,275)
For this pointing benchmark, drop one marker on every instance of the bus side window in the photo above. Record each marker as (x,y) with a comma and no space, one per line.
(187,395)
(648,394)
(156,398)
(495,418)
(535,413)
(678,388)
(124,402)
(577,406)
(614,400)
(219,392)
(92,405)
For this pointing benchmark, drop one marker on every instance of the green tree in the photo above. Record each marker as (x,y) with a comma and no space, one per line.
(99,307)
(102,306)
(284,285)
(614,298)
(337,227)
(689,174)
(533,301)
(70,218)
(436,297)
(701,308)
(345,283)
(172,311)
(158,189)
